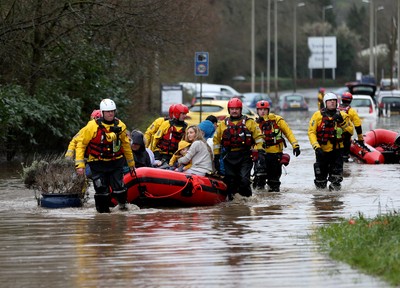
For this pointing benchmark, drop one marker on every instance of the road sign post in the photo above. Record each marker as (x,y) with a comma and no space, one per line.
(201,69)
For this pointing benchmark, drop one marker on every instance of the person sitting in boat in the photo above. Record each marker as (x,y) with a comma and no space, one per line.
(141,154)
(325,132)
(199,153)
(153,128)
(208,129)
(356,123)
(183,147)
(170,133)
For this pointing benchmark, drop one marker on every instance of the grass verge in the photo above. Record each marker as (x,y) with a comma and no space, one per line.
(370,245)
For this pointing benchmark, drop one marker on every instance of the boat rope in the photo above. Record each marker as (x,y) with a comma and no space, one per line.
(189,181)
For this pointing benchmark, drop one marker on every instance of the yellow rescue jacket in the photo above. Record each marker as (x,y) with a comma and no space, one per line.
(90,132)
(316,121)
(251,125)
(152,130)
(284,129)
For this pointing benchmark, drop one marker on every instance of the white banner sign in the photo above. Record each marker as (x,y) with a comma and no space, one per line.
(323,52)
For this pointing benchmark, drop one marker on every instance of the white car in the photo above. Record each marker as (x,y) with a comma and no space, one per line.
(365,106)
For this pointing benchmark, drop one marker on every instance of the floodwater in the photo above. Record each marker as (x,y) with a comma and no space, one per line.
(263,241)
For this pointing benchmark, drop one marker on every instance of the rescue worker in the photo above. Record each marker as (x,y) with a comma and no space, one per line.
(273,127)
(106,143)
(237,134)
(321,93)
(96,114)
(153,128)
(165,142)
(356,123)
(325,132)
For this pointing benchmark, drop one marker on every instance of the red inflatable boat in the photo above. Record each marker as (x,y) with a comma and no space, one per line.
(381,145)
(159,187)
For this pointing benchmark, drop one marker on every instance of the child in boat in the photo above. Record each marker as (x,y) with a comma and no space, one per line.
(183,147)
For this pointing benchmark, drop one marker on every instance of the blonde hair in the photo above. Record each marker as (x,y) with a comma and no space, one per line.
(198,134)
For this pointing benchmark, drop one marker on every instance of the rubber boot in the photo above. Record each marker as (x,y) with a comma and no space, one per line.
(102,203)
(274,186)
(120,196)
(320,184)
(335,187)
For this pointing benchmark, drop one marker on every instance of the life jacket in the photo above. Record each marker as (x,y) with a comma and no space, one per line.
(168,143)
(345,109)
(272,132)
(100,148)
(326,130)
(237,136)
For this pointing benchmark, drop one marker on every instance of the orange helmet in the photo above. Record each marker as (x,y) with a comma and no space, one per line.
(235,103)
(171,111)
(180,108)
(262,104)
(347,97)
(96,114)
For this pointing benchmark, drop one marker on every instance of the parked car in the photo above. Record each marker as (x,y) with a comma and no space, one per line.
(292,102)
(214,96)
(388,103)
(218,108)
(365,106)
(387,84)
(362,89)
(251,99)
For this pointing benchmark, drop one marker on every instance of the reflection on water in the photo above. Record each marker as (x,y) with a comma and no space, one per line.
(261,242)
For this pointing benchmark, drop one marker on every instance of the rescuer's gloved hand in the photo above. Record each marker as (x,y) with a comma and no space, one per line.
(296,151)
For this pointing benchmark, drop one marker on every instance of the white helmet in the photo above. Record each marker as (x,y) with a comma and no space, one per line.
(330,96)
(107,105)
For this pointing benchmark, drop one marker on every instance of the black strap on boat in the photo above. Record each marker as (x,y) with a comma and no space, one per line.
(142,189)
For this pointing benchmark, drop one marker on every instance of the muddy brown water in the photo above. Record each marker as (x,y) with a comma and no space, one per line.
(262,241)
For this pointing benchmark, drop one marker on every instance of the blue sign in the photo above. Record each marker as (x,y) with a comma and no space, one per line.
(201,64)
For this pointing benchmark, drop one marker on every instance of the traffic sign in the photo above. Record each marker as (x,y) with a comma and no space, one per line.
(201,64)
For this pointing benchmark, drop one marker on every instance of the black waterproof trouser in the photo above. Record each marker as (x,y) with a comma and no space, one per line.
(108,175)
(329,167)
(238,165)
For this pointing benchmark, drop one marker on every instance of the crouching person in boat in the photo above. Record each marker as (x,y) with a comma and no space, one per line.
(107,144)
(143,156)
(199,153)
(237,134)
(325,134)
(170,133)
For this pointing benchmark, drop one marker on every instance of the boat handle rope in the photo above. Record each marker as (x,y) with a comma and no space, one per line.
(189,180)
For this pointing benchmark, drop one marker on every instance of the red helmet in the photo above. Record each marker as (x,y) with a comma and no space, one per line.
(171,111)
(322,90)
(262,104)
(235,103)
(347,97)
(180,108)
(96,114)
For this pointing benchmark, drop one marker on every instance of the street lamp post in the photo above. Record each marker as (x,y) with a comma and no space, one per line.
(380,8)
(269,48)
(323,40)
(295,44)
(371,35)
(253,65)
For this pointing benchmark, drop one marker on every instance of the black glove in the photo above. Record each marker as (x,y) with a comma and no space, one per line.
(296,151)
(361,143)
(338,117)
(319,153)
(217,164)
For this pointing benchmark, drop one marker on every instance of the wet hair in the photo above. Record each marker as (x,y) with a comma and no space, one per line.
(212,118)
